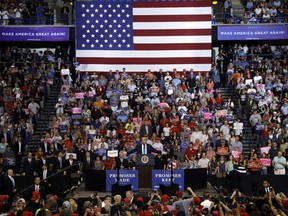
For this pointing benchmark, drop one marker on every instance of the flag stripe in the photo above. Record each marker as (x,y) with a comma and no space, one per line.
(182,4)
(142,68)
(144,54)
(171,18)
(172,32)
(176,25)
(168,47)
(195,60)
(171,39)
(143,35)
(172,11)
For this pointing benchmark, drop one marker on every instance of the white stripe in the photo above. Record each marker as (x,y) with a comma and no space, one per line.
(172,25)
(143,68)
(171,39)
(172,11)
(143,54)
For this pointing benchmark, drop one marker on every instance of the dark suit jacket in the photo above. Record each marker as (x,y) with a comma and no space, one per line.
(8,137)
(56,164)
(8,187)
(16,148)
(124,163)
(138,150)
(87,166)
(73,169)
(29,168)
(143,131)
(42,146)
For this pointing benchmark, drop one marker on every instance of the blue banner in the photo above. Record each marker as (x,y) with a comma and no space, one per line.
(126,177)
(34,33)
(164,177)
(253,32)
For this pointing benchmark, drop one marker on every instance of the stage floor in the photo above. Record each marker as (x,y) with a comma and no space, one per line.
(82,193)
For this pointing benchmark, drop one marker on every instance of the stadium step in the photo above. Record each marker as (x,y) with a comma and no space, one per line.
(46,116)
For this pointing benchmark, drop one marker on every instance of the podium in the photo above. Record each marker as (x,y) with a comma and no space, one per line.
(145,164)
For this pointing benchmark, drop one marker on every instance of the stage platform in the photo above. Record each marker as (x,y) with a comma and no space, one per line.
(82,193)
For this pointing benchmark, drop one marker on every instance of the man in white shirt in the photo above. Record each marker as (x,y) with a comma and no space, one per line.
(196,134)
(204,161)
(124,100)
(33,109)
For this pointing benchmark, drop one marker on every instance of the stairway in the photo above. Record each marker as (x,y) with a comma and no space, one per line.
(46,117)
(247,137)
(237,8)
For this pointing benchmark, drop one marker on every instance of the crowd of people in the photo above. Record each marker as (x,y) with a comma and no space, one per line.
(31,13)
(180,115)
(257,12)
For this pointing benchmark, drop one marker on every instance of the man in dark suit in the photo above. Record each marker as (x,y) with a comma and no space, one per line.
(6,135)
(9,187)
(144,148)
(37,187)
(29,165)
(43,175)
(19,149)
(87,162)
(45,145)
(59,162)
(146,129)
(70,162)
(121,162)
(265,189)
(41,162)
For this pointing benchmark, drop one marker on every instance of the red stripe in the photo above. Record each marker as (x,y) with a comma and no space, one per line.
(173,32)
(200,46)
(171,18)
(172,4)
(195,60)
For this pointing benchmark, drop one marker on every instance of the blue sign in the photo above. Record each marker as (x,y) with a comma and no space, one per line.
(253,32)
(126,177)
(34,33)
(164,177)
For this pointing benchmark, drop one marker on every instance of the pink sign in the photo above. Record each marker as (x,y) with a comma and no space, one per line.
(207,115)
(266,161)
(79,95)
(161,105)
(91,94)
(48,140)
(26,111)
(221,113)
(265,149)
(76,110)
(236,154)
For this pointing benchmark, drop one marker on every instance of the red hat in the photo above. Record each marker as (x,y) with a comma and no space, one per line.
(178,194)
(27,213)
(215,213)
(140,199)
(157,139)
(35,196)
(197,200)
(126,201)
(165,198)
(285,203)
(158,207)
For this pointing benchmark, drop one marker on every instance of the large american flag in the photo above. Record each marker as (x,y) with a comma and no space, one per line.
(143,35)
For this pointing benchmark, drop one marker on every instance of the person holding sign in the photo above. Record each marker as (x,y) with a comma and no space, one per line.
(254,164)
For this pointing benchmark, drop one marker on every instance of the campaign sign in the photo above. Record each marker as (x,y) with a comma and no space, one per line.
(253,32)
(164,177)
(21,33)
(266,161)
(126,177)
